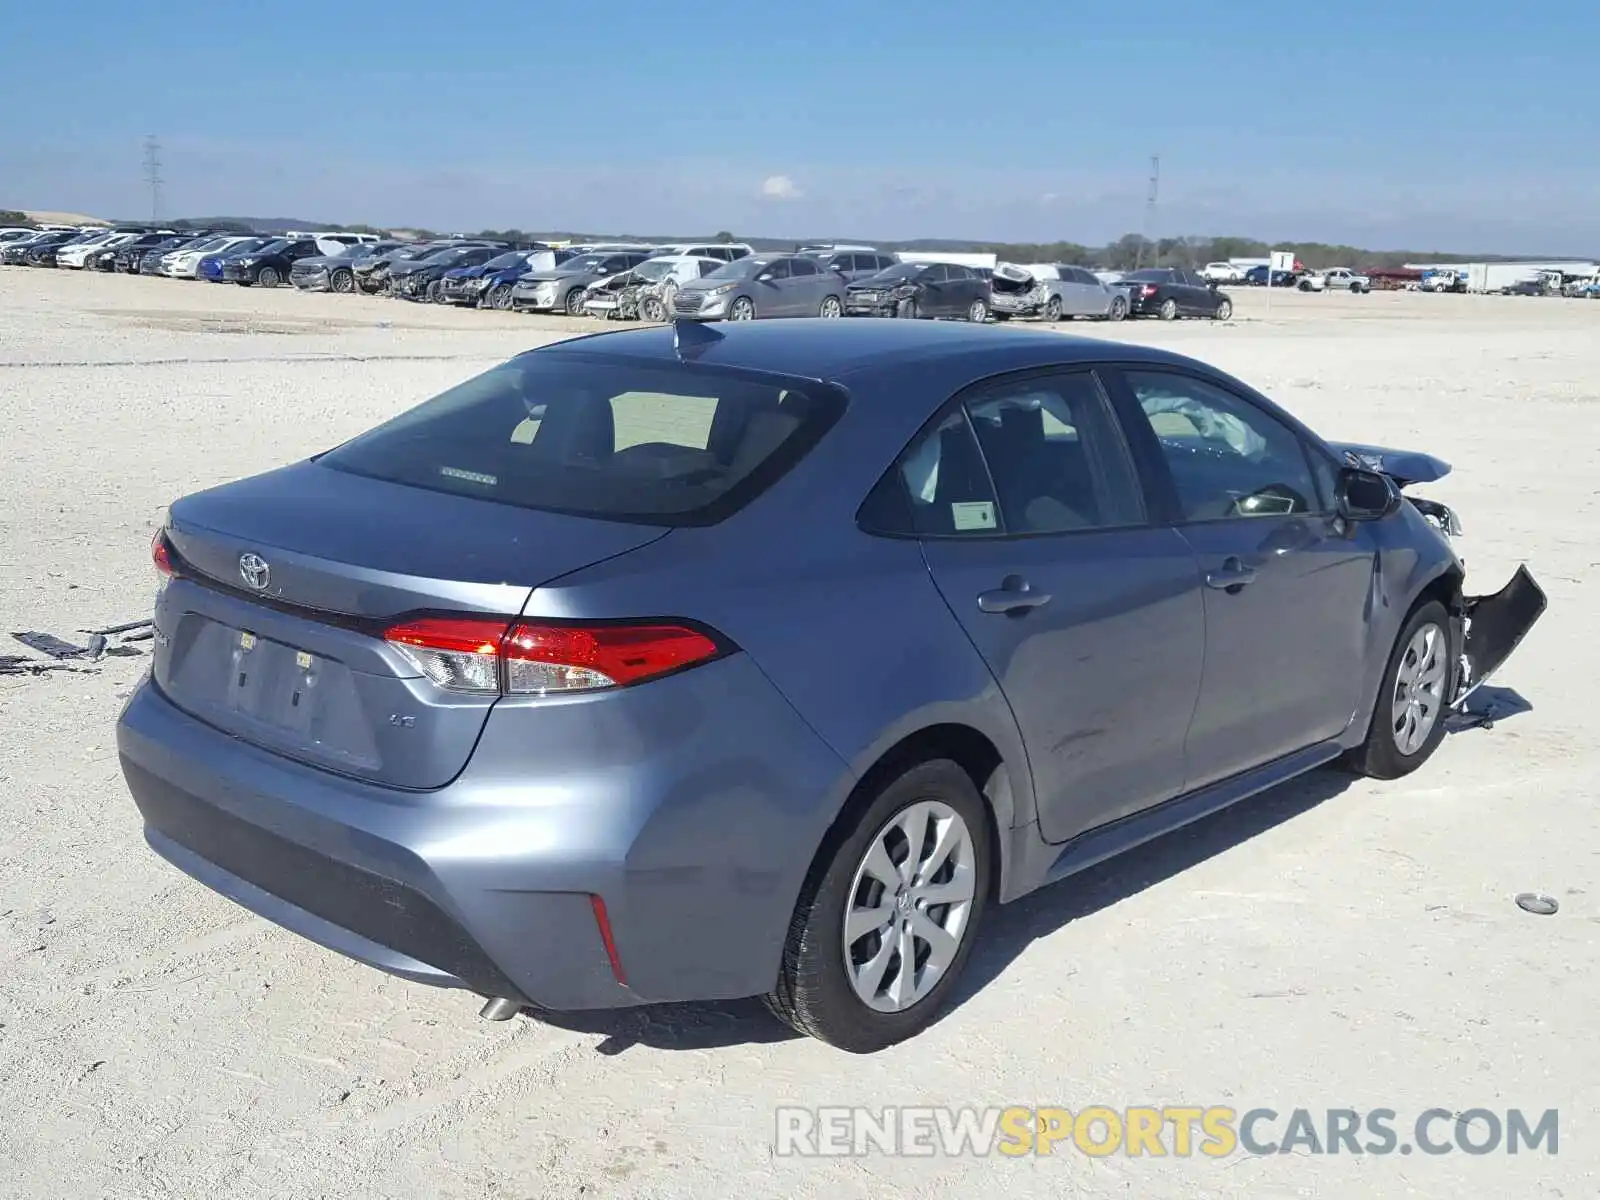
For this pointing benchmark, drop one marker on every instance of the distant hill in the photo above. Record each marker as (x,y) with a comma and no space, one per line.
(40,217)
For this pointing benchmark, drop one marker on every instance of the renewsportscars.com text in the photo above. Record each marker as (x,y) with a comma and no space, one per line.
(1160,1131)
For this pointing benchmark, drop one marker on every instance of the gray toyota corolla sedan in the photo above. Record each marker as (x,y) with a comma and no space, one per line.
(708,662)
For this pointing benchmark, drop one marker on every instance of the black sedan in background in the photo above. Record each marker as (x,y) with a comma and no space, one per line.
(420,278)
(1266,277)
(116,258)
(270,265)
(134,258)
(41,251)
(915,289)
(15,253)
(1173,292)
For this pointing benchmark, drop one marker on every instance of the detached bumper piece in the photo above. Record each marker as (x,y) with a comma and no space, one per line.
(1495,626)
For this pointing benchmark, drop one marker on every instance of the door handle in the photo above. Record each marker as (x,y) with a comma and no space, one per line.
(1014,595)
(1232,577)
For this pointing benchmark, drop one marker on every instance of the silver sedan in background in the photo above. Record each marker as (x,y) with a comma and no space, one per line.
(1053,291)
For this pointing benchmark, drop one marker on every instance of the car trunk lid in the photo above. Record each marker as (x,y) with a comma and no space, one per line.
(272,629)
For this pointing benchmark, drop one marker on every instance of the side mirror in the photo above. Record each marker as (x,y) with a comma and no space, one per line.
(1365,495)
(764,277)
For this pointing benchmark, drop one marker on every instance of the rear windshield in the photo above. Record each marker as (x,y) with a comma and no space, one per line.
(659,443)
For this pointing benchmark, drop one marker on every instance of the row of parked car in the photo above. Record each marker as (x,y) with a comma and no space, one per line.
(703,281)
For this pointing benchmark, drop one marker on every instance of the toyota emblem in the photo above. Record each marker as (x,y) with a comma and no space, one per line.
(255,572)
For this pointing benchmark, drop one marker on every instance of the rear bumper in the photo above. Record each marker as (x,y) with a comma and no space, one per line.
(689,806)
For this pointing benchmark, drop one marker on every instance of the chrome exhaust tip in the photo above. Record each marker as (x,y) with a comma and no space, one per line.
(498,1009)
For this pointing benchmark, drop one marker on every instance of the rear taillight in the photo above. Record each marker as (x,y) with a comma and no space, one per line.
(491,655)
(161,553)
(1148,289)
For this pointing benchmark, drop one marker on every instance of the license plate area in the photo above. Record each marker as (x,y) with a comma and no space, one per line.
(274,683)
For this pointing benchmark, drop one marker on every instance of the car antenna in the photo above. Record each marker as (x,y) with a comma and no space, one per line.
(689,338)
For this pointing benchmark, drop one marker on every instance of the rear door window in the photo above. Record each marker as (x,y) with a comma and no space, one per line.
(1055,454)
(660,443)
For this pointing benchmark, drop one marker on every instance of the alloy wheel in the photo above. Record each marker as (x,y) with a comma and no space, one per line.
(1419,689)
(909,906)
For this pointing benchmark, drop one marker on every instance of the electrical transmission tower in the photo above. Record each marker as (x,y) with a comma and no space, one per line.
(1148,232)
(152,174)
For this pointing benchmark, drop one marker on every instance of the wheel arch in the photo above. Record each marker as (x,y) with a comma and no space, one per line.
(969,748)
(1445,585)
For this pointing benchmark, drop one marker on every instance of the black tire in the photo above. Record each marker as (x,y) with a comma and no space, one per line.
(1052,309)
(742,309)
(499,298)
(814,995)
(342,281)
(434,293)
(831,308)
(268,277)
(906,309)
(1118,310)
(1169,309)
(999,316)
(1378,756)
(978,311)
(1224,311)
(653,309)
(573,304)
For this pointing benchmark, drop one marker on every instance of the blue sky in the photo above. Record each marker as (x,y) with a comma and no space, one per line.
(1467,125)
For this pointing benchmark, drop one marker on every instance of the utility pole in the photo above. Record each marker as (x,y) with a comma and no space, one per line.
(152,174)
(1148,232)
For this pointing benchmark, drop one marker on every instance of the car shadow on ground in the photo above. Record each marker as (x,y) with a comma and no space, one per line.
(1008,930)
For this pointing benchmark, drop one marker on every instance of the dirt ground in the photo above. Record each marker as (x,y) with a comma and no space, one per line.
(1330,944)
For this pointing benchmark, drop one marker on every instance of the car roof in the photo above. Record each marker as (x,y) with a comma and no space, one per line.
(836,350)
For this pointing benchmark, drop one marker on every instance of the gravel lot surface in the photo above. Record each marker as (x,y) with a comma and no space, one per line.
(1330,944)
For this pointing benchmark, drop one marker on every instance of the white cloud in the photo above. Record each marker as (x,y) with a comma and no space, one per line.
(779,187)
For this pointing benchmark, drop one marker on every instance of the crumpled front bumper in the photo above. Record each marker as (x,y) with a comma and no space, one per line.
(1492,627)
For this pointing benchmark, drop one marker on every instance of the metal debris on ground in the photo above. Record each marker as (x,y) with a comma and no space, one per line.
(21,664)
(62,655)
(1538,904)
